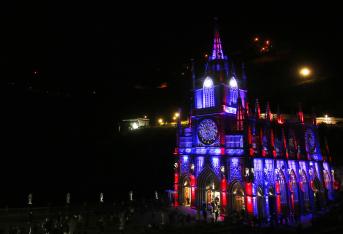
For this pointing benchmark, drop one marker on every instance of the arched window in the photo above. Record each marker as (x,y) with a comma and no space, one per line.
(233,95)
(208,93)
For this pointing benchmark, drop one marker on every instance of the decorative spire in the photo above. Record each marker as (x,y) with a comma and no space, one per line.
(279,117)
(257,109)
(269,115)
(247,109)
(300,114)
(239,114)
(217,52)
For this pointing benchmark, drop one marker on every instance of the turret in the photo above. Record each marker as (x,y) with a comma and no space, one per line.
(300,114)
(269,115)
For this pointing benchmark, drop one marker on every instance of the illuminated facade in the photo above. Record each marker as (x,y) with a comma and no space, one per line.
(260,163)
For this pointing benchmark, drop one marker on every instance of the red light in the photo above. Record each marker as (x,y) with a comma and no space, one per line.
(256,39)
(193,181)
(176,178)
(250,206)
(251,152)
(278,204)
(267,42)
(248,189)
(176,151)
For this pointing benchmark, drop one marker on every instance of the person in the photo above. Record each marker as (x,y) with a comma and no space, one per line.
(187,201)
(216,212)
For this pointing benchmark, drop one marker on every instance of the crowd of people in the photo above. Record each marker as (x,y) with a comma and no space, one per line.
(130,217)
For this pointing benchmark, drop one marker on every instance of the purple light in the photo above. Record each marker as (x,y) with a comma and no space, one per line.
(208,93)
(234,152)
(217,52)
(215,161)
(230,110)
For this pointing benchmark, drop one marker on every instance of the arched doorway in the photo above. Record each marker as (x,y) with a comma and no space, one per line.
(208,188)
(293,188)
(237,197)
(304,192)
(185,195)
(281,193)
(260,204)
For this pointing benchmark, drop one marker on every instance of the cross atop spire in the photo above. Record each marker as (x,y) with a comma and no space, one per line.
(217,51)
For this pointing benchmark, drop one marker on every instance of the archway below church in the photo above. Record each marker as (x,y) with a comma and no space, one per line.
(237,197)
(208,189)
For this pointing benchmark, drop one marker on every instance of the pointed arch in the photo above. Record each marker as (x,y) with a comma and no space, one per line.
(281,192)
(304,192)
(185,195)
(233,92)
(294,192)
(208,187)
(208,93)
(237,196)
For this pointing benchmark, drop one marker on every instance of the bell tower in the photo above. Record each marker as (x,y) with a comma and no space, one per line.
(217,90)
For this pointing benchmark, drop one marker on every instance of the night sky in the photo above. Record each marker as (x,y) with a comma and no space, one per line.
(69,73)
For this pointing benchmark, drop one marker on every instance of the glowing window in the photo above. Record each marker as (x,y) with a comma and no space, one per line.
(208,93)
(234,141)
(233,94)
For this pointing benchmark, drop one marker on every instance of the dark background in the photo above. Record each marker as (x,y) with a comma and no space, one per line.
(71,72)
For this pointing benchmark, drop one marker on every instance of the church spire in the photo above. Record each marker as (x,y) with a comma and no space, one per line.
(269,115)
(217,51)
(300,114)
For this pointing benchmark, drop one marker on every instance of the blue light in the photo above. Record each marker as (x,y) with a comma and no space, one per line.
(230,110)
(234,141)
(185,159)
(198,99)
(208,93)
(234,161)
(237,152)
(188,150)
(215,161)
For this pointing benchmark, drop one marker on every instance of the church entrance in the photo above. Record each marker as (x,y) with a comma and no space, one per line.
(187,195)
(237,195)
(212,195)
(208,189)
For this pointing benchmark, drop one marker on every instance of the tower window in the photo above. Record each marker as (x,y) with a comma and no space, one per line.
(233,95)
(208,93)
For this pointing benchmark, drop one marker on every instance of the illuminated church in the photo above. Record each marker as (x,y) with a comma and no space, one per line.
(261,163)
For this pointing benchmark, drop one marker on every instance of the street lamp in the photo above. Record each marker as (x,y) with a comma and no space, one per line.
(305,71)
